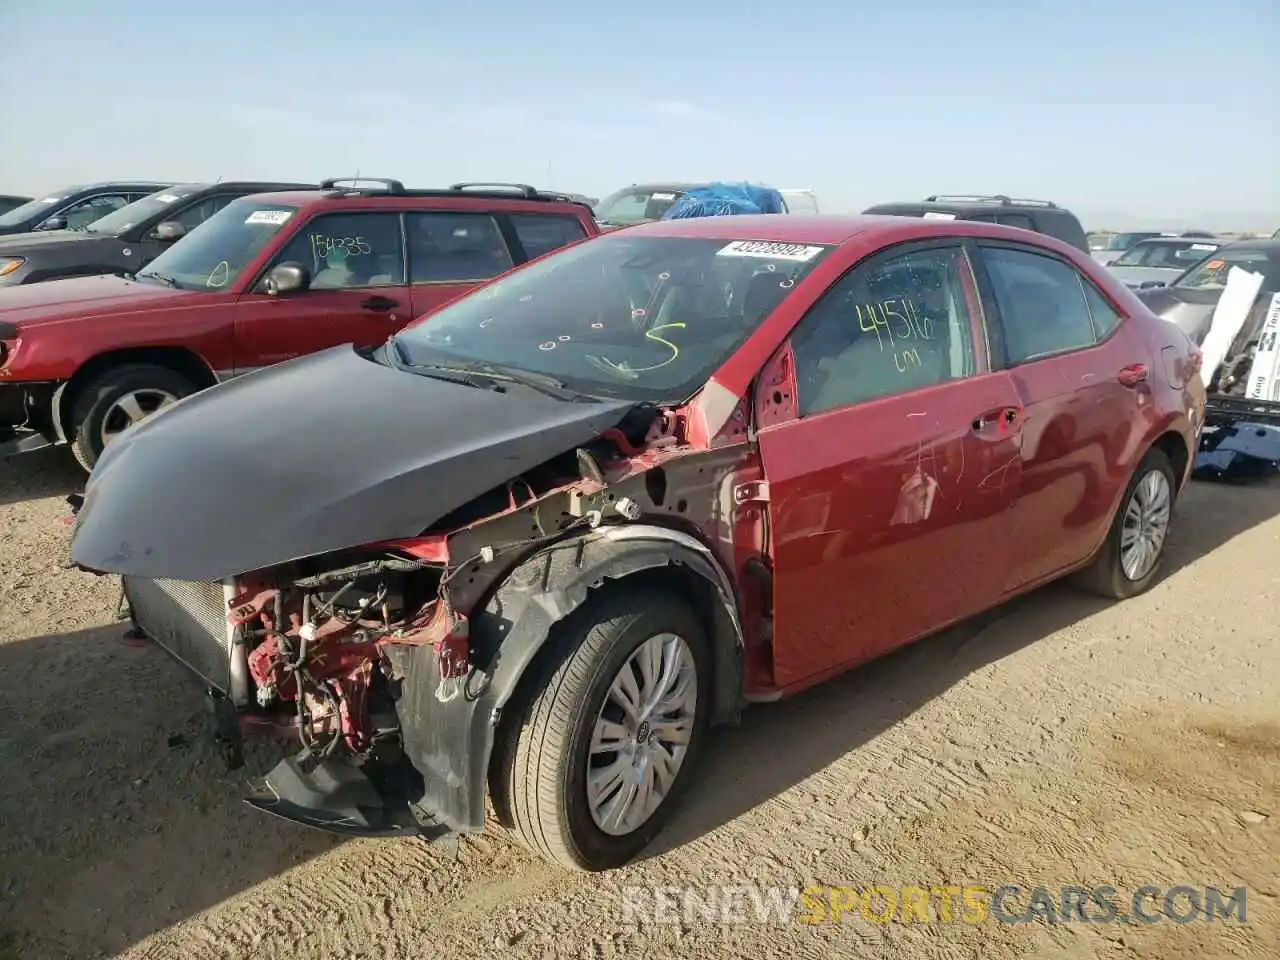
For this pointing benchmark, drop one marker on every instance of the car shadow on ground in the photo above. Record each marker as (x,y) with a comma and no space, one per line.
(119,820)
(781,744)
(51,472)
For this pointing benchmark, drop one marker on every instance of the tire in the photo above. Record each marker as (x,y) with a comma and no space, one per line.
(95,406)
(1106,575)
(540,782)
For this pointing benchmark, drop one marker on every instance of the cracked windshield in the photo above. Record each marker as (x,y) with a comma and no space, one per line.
(634,317)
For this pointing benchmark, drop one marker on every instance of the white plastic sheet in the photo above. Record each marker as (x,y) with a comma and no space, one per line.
(1264,374)
(1228,317)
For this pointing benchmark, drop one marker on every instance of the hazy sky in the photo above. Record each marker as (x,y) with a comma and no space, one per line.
(1124,110)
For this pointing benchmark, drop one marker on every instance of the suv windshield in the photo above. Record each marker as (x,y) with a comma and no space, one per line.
(644,318)
(1173,254)
(636,204)
(28,210)
(213,257)
(118,221)
(1212,274)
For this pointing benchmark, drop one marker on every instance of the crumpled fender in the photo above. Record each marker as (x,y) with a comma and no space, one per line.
(449,735)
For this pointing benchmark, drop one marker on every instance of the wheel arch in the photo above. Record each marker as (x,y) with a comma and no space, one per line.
(180,360)
(452,741)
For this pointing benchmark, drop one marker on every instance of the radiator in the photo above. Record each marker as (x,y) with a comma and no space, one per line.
(189,620)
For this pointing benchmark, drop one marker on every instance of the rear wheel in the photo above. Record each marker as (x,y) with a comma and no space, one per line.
(601,747)
(118,399)
(1130,558)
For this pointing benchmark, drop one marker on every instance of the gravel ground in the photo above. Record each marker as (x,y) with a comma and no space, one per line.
(1059,740)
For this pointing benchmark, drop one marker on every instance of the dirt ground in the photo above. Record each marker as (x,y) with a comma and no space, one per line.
(1059,740)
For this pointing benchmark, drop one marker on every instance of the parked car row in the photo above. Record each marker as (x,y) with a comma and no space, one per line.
(492,504)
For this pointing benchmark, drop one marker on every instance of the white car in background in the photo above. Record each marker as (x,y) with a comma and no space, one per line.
(1160,260)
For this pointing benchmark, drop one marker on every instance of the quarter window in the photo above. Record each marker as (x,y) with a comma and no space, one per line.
(1105,318)
(349,250)
(539,233)
(455,248)
(889,326)
(1042,304)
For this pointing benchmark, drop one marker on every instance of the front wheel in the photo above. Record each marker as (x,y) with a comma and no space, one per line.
(1130,557)
(119,399)
(603,744)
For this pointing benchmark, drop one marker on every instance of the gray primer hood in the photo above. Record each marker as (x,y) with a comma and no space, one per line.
(318,454)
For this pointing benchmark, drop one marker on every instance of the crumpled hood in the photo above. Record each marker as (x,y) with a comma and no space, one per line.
(76,297)
(317,454)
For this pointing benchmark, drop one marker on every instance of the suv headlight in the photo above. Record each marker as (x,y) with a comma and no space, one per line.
(10,264)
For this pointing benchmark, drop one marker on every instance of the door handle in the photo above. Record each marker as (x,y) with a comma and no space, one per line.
(1133,374)
(379,303)
(1003,420)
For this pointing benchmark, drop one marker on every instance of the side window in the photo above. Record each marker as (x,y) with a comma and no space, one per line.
(349,250)
(982,217)
(1041,301)
(1105,318)
(95,208)
(455,248)
(198,213)
(540,234)
(895,324)
(1017,220)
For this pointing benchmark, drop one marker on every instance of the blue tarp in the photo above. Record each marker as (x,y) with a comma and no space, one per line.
(724,200)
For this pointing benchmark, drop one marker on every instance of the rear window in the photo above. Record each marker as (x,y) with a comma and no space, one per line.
(636,205)
(1212,273)
(1174,254)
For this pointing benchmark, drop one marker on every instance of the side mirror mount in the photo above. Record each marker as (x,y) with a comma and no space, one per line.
(53,223)
(286,278)
(169,230)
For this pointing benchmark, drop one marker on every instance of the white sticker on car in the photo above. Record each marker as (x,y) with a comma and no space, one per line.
(935,215)
(769,250)
(167,197)
(50,199)
(273,217)
(1204,246)
(664,196)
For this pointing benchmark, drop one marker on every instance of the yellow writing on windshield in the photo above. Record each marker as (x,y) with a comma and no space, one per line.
(219,275)
(651,335)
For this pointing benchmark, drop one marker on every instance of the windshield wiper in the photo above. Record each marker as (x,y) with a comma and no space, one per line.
(440,371)
(166,280)
(542,382)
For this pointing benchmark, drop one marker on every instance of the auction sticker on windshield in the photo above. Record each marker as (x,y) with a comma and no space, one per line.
(769,250)
(273,217)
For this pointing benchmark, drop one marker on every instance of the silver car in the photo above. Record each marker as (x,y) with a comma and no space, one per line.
(1160,260)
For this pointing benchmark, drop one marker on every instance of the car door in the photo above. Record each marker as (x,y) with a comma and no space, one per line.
(357,292)
(890,492)
(451,252)
(1081,378)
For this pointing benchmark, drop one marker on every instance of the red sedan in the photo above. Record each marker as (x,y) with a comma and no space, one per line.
(536,544)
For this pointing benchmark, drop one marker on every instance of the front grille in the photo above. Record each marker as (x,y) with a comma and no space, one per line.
(189,620)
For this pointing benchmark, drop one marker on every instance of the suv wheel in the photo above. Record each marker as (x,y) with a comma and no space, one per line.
(1130,557)
(601,748)
(119,399)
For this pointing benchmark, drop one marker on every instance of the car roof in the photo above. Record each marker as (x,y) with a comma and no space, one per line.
(254,186)
(77,188)
(945,203)
(827,228)
(1165,238)
(1269,244)
(320,196)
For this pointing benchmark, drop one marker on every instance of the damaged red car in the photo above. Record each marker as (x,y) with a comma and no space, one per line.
(539,542)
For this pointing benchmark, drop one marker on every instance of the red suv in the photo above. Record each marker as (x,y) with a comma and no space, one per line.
(268,278)
(534,547)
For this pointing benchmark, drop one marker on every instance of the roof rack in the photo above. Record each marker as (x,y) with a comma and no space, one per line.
(379,186)
(1000,198)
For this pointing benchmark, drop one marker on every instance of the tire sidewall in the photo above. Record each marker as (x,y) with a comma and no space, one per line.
(592,845)
(1154,461)
(92,406)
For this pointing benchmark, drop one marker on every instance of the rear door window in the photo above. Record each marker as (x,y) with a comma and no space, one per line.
(1041,301)
(1017,220)
(455,247)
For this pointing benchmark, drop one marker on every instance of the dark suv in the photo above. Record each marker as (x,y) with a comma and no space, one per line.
(10,202)
(1042,216)
(123,241)
(76,206)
